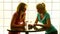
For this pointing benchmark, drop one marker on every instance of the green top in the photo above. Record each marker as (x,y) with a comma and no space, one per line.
(46,16)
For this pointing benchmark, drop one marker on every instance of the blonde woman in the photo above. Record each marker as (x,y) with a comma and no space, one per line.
(44,18)
(18,20)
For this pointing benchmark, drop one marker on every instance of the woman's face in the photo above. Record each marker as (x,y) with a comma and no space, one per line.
(24,8)
(40,10)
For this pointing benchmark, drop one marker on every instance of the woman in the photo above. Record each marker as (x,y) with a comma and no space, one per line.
(44,18)
(18,20)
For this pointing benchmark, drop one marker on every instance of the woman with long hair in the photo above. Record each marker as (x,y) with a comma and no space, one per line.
(18,20)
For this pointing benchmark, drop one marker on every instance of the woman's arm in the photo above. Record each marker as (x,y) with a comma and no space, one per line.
(24,20)
(36,21)
(32,26)
(14,20)
(45,26)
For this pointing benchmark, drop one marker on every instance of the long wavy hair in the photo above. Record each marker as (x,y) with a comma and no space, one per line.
(20,8)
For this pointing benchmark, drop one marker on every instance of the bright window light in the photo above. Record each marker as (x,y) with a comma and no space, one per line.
(9,7)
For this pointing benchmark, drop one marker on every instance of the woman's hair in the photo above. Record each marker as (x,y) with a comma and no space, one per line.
(40,6)
(20,8)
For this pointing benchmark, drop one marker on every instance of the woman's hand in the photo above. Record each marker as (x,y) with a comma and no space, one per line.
(30,26)
(35,24)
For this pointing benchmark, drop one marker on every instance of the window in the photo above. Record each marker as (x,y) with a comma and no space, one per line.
(8,7)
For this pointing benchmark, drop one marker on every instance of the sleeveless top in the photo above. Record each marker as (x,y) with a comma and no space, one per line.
(18,21)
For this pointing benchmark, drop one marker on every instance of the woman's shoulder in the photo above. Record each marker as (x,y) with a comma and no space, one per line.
(47,14)
(15,14)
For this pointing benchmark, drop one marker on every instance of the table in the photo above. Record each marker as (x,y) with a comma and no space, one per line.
(26,32)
